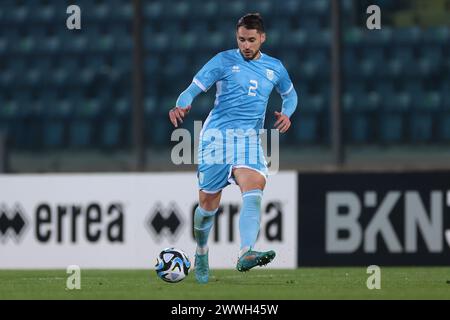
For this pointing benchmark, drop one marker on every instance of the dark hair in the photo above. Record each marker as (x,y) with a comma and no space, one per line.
(251,21)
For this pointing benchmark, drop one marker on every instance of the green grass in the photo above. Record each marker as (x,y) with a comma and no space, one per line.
(305,283)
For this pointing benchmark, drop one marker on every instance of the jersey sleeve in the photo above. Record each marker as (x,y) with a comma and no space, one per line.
(284,85)
(209,74)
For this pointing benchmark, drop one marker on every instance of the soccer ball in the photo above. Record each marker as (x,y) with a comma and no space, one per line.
(172,265)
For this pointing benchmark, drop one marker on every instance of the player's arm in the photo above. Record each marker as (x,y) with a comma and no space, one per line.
(287,92)
(183,104)
(203,80)
(288,107)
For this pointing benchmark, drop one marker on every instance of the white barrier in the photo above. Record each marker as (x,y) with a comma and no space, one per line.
(124,220)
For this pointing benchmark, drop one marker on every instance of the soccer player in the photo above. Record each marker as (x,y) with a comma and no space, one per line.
(244,79)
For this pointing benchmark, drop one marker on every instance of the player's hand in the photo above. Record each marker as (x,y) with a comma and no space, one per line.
(177,114)
(283,122)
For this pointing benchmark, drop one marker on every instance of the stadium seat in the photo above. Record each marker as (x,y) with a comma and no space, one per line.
(9,108)
(153,10)
(181,8)
(55,124)
(120,11)
(359,130)
(316,66)
(206,10)
(424,117)
(120,122)
(159,133)
(371,62)
(409,36)
(77,43)
(25,45)
(430,61)
(80,133)
(122,62)
(437,36)
(321,39)
(198,28)
(45,13)
(9,111)
(9,74)
(308,117)
(123,37)
(297,39)
(353,36)
(402,63)
(443,122)
(273,41)
(150,105)
(59,9)
(233,8)
(101,11)
(444,127)
(151,64)
(53,135)
(368,66)
(186,41)
(288,8)
(3,12)
(110,134)
(395,78)
(203,104)
(103,42)
(310,23)
(35,76)
(394,108)
(360,107)
(380,38)
(51,44)
(314,8)
(414,86)
(65,72)
(84,123)
(350,58)
(166,103)
(175,67)
(264,7)
(4,45)
(215,41)
(391,128)
(10,39)
(347,7)
(8,12)
(159,42)
(13,12)
(21,13)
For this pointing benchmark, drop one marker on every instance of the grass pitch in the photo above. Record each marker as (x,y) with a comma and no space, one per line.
(260,283)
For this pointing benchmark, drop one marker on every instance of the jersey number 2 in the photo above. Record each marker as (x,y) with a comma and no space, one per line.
(253,87)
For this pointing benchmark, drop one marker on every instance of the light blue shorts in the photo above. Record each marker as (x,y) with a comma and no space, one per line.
(213,177)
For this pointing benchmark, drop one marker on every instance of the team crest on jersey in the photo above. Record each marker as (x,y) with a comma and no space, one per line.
(269,74)
(235,69)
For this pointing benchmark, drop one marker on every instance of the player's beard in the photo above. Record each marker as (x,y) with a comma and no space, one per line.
(253,55)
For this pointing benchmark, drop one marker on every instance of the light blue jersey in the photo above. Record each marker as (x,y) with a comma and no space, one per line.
(243,88)
(230,134)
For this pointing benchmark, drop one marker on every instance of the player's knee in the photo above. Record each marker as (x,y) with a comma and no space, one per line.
(208,205)
(257,182)
(209,202)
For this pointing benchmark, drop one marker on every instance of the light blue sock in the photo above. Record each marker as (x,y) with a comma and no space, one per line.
(250,218)
(203,222)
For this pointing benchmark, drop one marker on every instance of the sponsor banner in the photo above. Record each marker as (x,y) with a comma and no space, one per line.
(124,220)
(374,218)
